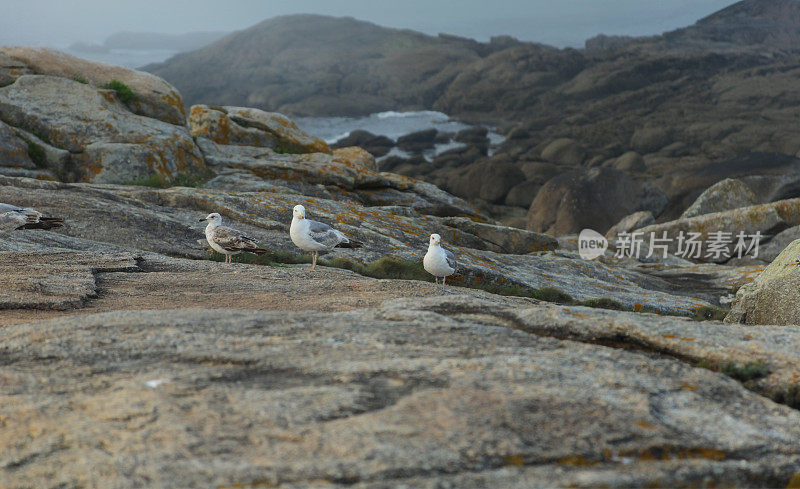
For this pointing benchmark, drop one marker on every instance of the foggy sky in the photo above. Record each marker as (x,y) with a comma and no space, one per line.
(558,22)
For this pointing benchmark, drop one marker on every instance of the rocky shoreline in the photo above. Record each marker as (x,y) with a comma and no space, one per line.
(679,111)
(130,357)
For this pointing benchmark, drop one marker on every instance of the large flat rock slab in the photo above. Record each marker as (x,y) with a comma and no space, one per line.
(395,395)
(58,280)
(165,221)
(65,283)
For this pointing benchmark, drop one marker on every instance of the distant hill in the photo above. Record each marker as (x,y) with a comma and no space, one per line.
(316,65)
(773,23)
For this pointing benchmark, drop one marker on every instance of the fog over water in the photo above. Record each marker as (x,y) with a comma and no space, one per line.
(564,23)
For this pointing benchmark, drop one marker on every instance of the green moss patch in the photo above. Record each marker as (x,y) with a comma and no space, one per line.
(124,92)
(710,313)
(35,152)
(194,180)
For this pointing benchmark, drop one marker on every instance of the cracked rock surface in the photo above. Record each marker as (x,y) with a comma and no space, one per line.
(172,372)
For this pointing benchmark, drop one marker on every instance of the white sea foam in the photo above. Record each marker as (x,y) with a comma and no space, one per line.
(424,114)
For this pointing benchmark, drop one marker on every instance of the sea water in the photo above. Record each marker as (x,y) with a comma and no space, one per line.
(392,125)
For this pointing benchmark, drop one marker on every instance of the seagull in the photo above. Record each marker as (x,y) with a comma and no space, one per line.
(13,218)
(228,241)
(438,261)
(315,236)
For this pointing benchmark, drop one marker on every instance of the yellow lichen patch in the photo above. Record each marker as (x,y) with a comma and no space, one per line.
(689,387)
(637,307)
(668,336)
(108,96)
(173,99)
(794,482)
(645,425)
(576,461)
(670,453)
(515,460)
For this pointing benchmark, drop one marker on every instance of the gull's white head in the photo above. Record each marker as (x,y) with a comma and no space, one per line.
(213,218)
(299,212)
(436,240)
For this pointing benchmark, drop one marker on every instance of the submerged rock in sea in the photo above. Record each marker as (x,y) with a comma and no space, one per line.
(377,145)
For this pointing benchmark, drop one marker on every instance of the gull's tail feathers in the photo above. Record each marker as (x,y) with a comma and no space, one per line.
(44,223)
(256,251)
(350,243)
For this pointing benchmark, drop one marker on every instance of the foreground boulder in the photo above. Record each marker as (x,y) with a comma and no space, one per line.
(154,97)
(774,296)
(245,126)
(723,196)
(348,174)
(630,223)
(764,220)
(597,198)
(105,141)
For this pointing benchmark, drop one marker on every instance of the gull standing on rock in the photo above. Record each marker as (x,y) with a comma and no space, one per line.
(438,261)
(228,241)
(315,236)
(13,218)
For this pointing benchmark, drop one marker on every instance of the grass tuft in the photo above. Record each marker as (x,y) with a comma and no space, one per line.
(35,151)
(124,92)
(603,303)
(80,80)
(194,180)
(397,268)
(552,294)
(710,313)
(745,373)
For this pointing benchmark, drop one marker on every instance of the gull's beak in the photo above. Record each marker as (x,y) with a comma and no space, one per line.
(201,220)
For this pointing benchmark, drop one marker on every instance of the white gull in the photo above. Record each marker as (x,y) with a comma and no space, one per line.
(438,261)
(316,236)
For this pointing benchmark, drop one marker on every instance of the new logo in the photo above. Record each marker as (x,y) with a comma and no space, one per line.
(591,244)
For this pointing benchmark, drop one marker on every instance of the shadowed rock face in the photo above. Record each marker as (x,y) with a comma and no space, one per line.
(595,199)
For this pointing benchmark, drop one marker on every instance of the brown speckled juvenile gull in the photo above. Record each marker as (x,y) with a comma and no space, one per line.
(13,218)
(229,241)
